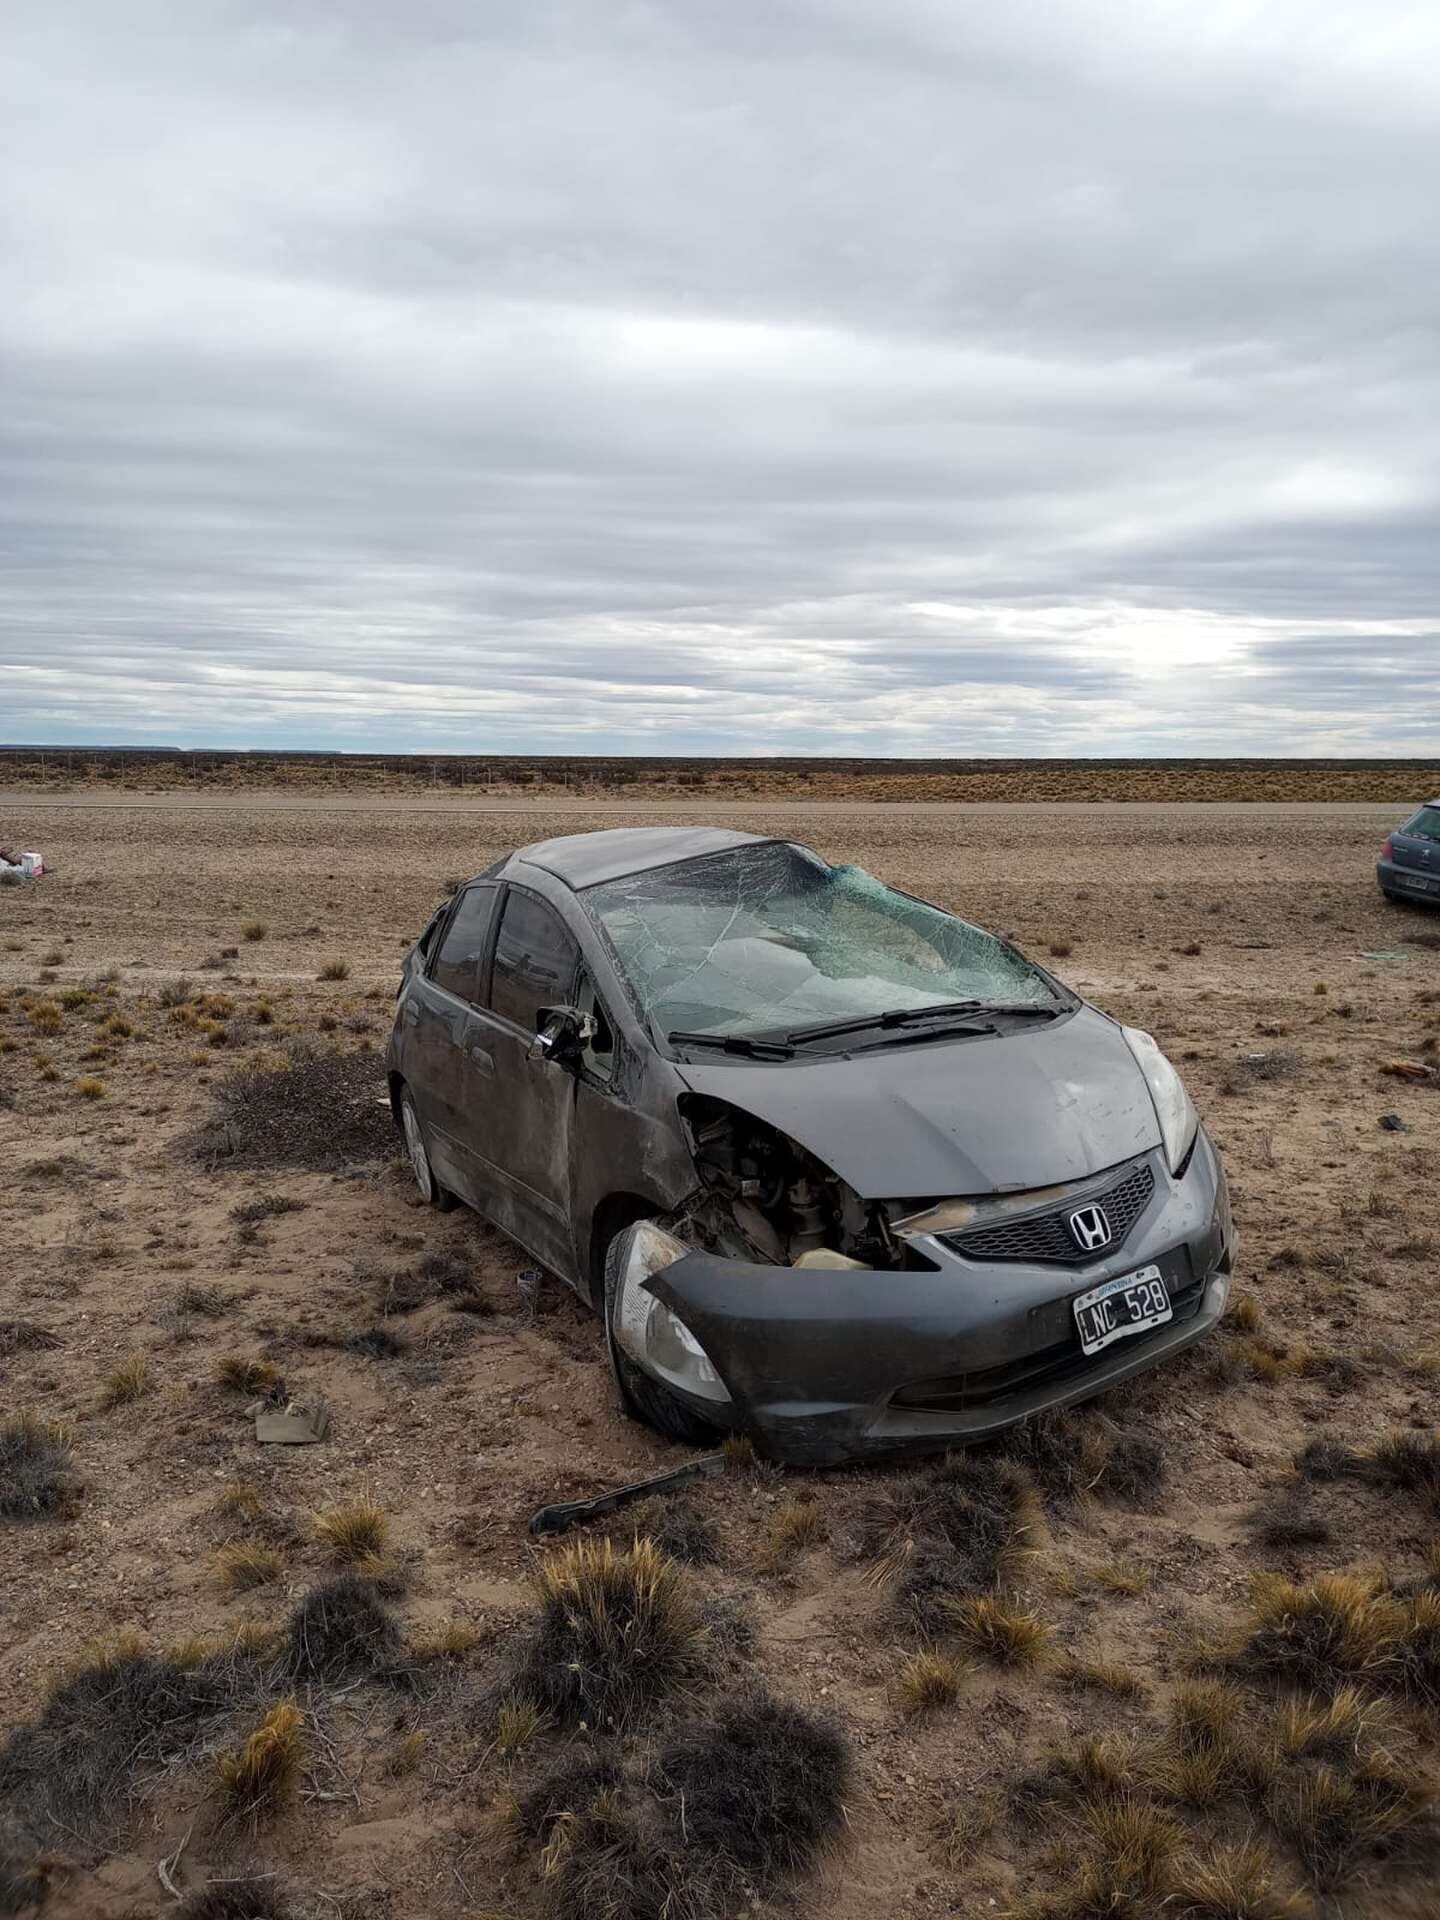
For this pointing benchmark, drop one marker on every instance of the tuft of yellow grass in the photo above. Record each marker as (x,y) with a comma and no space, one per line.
(354,1531)
(1121,1576)
(254,930)
(991,1625)
(1241,1882)
(929,1680)
(243,1375)
(793,1527)
(1244,1312)
(334,970)
(90,1087)
(245,1565)
(1105,1676)
(261,1778)
(451,1641)
(519,1722)
(129,1381)
(241,1500)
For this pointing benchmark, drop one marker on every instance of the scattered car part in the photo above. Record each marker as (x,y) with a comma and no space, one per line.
(570,1513)
(299,1424)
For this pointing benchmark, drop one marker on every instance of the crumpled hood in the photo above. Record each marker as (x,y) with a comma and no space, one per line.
(1029,1108)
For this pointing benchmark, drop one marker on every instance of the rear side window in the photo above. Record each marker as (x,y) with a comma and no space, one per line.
(457,965)
(535,960)
(1426,824)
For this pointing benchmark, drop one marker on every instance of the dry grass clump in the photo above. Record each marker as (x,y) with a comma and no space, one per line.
(929,1680)
(675,1523)
(609,1860)
(265,1206)
(1338,1731)
(129,1381)
(1410,1463)
(116,1719)
(955,1529)
(89,1087)
(241,1374)
(354,1531)
(614,1633)
(518,1722)
(324,1112)
(1243,1882)
(25,1336)
(1127,1850)
(1288,1519)
(245,1565)
(961,1829)
(254,930)
(762,1783)
(36,1468)
(794,1526)
(260,1780)
(1210,1749)
(1340,1823)
(434,1276)
(334,970)
(450,1641)
(990,1625)
(341,1630)
(1104,1676)
(1337,1628)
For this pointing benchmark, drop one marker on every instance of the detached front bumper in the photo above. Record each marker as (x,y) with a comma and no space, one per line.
(829,1365)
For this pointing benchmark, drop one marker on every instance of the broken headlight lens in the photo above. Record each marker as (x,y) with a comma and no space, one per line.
(654,1336)
(1174,1108)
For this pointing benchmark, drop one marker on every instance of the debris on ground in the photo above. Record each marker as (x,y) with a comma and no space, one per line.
(18,867)
(529,1284)
(1392,1123)
(570,1513)
(1410,1070)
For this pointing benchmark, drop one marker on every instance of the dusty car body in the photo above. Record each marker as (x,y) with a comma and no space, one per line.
(1409,863)
(838,1169)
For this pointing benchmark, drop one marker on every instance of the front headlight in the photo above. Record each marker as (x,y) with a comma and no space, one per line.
(654,1336)
(1174,1108)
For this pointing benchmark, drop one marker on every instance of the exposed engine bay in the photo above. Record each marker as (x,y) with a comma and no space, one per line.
(763,1197)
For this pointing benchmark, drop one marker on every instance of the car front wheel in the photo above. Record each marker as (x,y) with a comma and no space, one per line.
(431,1191)
(645,1399)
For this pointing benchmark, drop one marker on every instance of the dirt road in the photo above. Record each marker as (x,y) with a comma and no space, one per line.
(1251,939)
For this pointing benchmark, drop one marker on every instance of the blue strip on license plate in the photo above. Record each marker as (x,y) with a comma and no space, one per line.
(1131,1303)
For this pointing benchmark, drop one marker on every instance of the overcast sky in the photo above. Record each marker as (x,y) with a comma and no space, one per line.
(836,376)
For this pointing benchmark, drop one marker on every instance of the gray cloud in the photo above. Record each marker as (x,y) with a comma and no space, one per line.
(784,377)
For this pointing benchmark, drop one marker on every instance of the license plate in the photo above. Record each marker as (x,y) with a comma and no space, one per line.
(1424,886)
(1129,1304)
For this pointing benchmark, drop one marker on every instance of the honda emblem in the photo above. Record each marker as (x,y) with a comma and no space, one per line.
(1091,1228)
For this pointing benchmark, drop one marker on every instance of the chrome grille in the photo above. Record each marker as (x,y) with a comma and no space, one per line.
(1046,1237)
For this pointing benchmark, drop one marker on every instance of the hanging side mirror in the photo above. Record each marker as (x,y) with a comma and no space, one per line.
(562,1035)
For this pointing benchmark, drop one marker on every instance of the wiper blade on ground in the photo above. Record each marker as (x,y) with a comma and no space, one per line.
(911,1016)
(740,1043)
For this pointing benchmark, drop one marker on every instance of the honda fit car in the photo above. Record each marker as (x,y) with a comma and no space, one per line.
(837,1169)
(1409,863)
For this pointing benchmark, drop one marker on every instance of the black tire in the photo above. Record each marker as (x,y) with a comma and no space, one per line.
(413,1134)
(645,1399)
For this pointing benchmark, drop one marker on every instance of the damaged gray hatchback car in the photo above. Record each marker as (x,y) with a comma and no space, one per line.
(839,1170)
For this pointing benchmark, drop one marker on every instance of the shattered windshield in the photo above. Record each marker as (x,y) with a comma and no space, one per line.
(768,937)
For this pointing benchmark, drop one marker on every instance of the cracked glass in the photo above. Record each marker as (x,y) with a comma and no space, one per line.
(763,938)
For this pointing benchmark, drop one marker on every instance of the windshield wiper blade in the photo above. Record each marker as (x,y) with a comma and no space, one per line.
(909,1016)
(740,1043)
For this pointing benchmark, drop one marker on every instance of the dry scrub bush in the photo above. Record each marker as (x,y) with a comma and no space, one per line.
(340,1631)
(989,1625)
(334,970)
(247,1898)
(355,1531)
(260,1780)
(36,1475)
(244,1566)
(614,1632)
(762,1783)
(929,1680)
(129,1381)
(240,1374)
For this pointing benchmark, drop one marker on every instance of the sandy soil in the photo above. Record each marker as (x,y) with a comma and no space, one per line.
(1226,930)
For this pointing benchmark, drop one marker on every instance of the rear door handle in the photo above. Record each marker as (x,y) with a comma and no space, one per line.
(483,1058)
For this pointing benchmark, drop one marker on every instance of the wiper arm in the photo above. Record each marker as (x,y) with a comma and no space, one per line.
(740,1043)
(911,1016)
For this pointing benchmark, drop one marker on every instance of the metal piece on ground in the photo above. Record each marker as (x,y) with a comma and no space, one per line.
(569,1513)
(302,1422)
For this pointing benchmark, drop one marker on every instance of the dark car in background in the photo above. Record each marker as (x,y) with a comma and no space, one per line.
(837,1169)
(1409,864)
